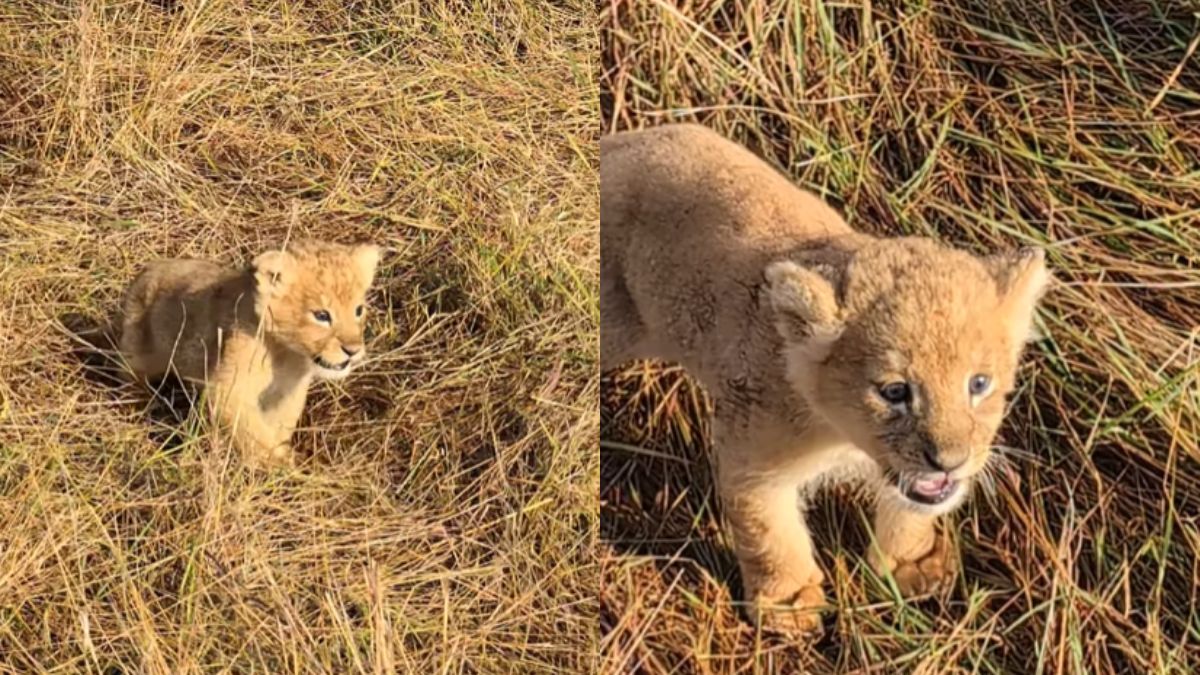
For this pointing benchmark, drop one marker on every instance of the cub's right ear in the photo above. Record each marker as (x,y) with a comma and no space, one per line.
(366,258)
(273,271)
(1022,279)
(804,301)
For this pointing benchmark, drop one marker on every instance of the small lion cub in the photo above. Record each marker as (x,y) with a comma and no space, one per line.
(830,355)
(255,337)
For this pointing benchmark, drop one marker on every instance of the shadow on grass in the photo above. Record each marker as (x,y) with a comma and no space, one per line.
(94,346)
(657,489)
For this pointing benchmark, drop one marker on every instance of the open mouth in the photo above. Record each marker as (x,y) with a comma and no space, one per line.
(329,366)
(930,491)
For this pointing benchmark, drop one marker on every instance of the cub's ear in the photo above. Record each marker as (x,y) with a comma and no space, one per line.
(1021,279)
(273,271)
(366,258)
(804,301)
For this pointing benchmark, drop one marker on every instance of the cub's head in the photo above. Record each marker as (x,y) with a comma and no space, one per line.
(910,350)
(311,298)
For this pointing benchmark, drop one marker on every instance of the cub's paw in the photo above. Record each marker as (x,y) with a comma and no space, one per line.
(278,457)
(282,456)
(795,614)
(933,572)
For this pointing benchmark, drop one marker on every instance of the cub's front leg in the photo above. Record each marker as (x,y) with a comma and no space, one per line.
(908,545)
(235,396)
(780,576)
(261,442)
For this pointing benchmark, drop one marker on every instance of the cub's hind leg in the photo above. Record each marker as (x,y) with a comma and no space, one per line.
(136,344)
(623,336)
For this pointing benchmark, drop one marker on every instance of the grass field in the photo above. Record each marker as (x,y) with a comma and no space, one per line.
(444,516)
(1069,125)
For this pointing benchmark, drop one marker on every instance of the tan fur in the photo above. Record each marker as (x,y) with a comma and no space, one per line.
(792,320)
(250,335)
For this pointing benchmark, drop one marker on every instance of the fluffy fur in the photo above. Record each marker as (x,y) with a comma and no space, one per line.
(794,323)
(256,337)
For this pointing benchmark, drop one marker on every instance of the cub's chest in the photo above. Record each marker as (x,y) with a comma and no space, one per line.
(276,381)
(283,392)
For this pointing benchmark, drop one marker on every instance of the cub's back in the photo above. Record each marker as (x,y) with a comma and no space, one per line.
(688,222)
(685,185)
(170,315)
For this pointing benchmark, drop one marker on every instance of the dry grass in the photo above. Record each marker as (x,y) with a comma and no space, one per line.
(444,518)
(1071,125)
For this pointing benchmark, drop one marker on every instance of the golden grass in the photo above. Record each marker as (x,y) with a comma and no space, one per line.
(1071,126)
(444,517)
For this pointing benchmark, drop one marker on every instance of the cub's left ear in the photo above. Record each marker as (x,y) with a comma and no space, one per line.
(804,301)
(273,271)
(1022,279)
(366,258)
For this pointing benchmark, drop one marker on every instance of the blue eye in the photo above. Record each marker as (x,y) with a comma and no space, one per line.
(322,316)
(978,384)
(896,392)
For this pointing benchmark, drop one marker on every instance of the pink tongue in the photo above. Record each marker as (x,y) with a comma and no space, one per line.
(930,486)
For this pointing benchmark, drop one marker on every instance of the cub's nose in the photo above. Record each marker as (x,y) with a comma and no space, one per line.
(944,460)
(351,350)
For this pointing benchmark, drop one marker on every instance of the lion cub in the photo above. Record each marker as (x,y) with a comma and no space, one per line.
(830,355)
(256,337)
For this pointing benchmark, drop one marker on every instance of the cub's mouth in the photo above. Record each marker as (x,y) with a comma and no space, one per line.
(929,490)
(331,366)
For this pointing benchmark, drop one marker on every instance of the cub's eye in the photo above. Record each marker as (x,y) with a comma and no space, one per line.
(322,316)
(896,392)
(358,311)
(978,384)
